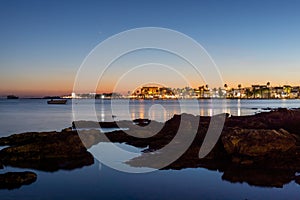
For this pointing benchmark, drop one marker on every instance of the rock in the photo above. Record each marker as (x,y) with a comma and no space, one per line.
(266,144)
(13,180)
(250,145)
(247,162)
(275,119)
(48,151)
(257,143)
(297,180)
(236,160)
(67,129)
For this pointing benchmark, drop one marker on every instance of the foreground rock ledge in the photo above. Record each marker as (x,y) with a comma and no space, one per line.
(47,151)
(13,180)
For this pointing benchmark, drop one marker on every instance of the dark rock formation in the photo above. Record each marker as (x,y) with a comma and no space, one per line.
(266,144)
(48,151)
(276,119)
(262,150)
(257,142)
(297,179)
(13,180)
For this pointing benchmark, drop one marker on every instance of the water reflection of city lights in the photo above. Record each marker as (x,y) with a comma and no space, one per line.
(239,107)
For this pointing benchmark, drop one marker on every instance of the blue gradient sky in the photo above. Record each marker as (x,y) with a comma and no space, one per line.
(43,43)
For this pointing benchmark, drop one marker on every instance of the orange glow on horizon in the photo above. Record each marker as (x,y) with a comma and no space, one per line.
(39,86)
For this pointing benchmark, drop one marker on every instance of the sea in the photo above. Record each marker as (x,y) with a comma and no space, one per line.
(99,181)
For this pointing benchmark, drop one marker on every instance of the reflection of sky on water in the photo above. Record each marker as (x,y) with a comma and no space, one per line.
(105,183)
(115,155)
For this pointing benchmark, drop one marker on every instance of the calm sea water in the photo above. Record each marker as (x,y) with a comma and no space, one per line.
(36,115)
(101,182)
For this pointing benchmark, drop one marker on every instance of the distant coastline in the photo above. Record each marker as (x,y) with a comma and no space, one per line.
(203,92)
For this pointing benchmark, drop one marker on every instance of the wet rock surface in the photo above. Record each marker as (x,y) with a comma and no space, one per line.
(261,150)
(297,179)
(13,180)
(257,142)
(46,151)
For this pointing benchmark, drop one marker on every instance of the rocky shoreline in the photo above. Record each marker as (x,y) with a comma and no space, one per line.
(45,151)
(13,180)
(261,150)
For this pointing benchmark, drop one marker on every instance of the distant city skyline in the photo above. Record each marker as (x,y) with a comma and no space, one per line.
(43,43)
(157,92)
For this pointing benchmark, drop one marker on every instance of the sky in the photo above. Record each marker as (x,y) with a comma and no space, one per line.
(44,43)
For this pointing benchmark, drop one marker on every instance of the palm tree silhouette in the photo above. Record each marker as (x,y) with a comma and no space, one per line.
(268,86)
(239,86)
(225,86)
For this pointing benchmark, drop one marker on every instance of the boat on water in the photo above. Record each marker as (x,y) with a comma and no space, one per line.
(12,97)
(57,101)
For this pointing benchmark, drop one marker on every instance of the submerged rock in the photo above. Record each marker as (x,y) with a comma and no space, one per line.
(13,180)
